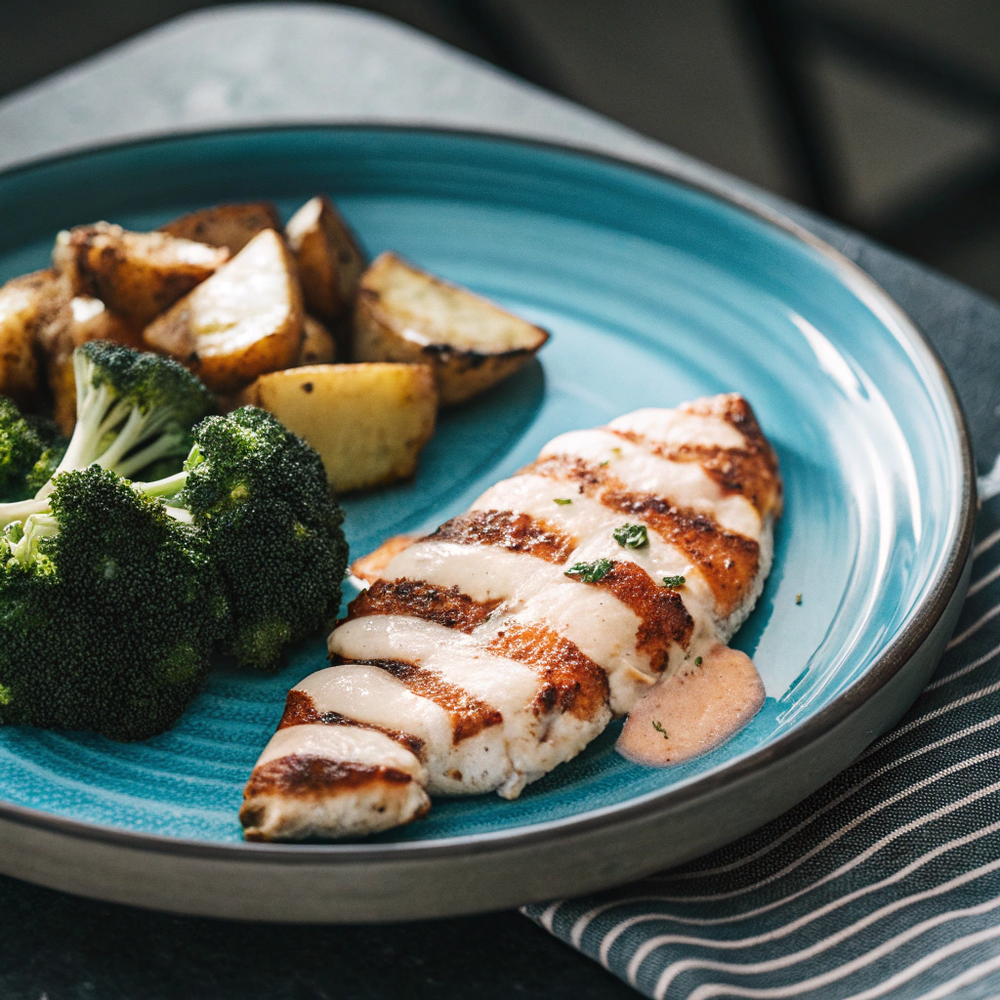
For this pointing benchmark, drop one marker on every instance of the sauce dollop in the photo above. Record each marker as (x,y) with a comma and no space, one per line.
(693,710)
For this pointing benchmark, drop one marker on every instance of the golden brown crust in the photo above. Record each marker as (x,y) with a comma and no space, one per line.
(229,226)
(138,275)
(729,562)
(405,314)
(507,530)
(306,776)
(571,681)
(663,619)
(447,606)
(244,321)
(300,710)
(33,308)
(587,478)
(752,470)
(319,346)
(372,566)
(469,715)
(329,258)
(97,323)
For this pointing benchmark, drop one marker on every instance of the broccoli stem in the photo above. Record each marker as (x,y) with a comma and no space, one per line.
(99,413)
(92,423)
(21,510)
(168,487)
(165,444)
(165,490)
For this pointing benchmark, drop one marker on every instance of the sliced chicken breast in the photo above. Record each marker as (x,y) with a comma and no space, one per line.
(499,646)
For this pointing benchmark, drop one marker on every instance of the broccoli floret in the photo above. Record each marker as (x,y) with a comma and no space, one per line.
(108,609)
(132,410)
(30,450)
(259,496)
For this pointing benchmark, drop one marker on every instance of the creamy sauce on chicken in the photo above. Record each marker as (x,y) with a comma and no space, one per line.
(603,579)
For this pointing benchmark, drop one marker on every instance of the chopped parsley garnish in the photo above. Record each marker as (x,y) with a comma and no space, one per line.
(697,661)
(607,461)
(798,598)
(562,501)
(631,536)
(591,572)
(673,581)
(658,726)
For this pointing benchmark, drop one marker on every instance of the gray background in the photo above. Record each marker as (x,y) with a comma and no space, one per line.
(676,70)
(908,163)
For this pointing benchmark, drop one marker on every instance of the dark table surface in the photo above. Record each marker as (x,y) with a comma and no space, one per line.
(273,63)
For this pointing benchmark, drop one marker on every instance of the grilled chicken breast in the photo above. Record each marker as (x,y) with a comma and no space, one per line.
(499,646)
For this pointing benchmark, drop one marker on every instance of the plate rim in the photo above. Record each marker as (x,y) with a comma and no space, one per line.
(887,664)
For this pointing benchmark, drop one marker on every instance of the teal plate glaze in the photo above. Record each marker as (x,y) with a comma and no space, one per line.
(655,292)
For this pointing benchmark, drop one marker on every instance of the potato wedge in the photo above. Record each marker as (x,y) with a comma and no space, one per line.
(405,314)
(328,257)
(229,226)
(30,307)
(137,275)
(86,319)
(368,422)
(243,321)
(318,345)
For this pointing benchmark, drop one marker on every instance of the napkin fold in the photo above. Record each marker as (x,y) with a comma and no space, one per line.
(883,884)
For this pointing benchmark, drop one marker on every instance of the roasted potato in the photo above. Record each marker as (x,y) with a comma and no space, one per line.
(229,226)
(405,314)
(137,275)
(30,306)
(86,319)
(368,422)
(243,321)
(318,345)
(328,257)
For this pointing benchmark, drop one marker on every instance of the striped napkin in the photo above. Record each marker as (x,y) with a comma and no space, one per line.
(883,884)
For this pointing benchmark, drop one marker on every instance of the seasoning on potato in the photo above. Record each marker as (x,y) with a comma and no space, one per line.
(329,259)
(229,226)
(318,345)
(369,422)
(243,321)
(137,275)
(405,314)
(86,319)
(29,306)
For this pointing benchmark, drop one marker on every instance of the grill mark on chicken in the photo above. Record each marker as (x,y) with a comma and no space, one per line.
(447,606)
(300,710)
(729,562)
(507,530)
(663,619)
(755,465)
(307,776)
(469,715)
(747,471)
(587,478)
(553,676)
(735,471)
(571,681)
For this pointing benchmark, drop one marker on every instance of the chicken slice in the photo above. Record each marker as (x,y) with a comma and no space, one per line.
(498,647)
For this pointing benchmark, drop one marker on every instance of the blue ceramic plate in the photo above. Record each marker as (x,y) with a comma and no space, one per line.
(655,293)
